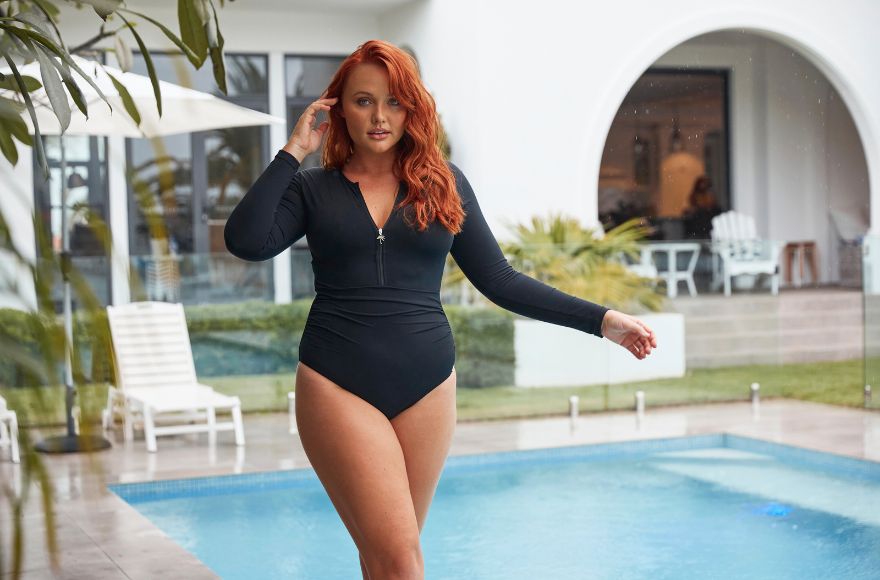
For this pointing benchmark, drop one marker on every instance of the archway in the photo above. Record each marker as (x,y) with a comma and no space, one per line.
(785,142)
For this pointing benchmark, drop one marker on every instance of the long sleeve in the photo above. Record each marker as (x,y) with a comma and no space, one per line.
(477,253)
(272,214)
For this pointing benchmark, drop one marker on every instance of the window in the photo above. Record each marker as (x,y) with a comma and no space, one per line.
(188,184)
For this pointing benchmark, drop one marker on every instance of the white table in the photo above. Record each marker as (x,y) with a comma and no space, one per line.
(672,274)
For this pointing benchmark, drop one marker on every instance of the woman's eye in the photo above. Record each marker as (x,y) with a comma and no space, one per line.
(395,102)
(360,100)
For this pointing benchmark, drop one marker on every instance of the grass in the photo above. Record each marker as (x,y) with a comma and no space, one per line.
(835,383)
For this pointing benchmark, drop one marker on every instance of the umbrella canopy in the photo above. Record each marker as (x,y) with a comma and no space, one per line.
(183,110)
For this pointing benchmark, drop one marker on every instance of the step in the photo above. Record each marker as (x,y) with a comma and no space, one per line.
(746,323)
(735,358)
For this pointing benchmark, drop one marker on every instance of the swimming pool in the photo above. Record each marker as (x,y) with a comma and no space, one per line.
(710,506)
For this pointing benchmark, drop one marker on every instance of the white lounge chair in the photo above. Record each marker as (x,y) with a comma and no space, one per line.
(156,377)
(735,242)
(9,430)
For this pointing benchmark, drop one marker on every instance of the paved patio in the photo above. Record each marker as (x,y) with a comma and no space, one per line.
(102,537)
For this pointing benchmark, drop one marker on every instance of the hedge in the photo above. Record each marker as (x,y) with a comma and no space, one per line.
(251,338)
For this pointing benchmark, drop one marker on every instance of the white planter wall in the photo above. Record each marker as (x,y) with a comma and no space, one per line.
(548,355)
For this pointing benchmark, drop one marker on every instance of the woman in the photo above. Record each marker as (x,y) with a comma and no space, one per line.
(702,208)
(375,385)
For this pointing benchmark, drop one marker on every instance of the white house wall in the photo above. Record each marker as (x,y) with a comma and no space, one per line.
(551,77)
(17,206)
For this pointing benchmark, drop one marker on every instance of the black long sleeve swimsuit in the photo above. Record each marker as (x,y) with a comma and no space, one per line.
(376,326)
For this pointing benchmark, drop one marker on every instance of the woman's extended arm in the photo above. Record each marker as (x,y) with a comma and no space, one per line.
(477,253)
(272,214)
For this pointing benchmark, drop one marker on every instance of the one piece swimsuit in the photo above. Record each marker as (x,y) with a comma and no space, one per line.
(376,326)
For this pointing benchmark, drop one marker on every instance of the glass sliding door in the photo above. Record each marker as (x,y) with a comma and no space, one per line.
(186,186)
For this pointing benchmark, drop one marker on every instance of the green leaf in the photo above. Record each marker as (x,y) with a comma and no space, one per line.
(154,80)
(123,53)
(217,61)
(127,101)
(41,153)
(193,58)
(31,84)
(76,95)
(49,9)
(38,20)
(7,145)
(18,129)
(74,90)
(24,33)
(54,87)
(10,109)
(192,28)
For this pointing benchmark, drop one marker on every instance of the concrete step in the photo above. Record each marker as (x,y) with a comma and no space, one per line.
(773,342)
(797,325)
(741,358)
(794,301)
(747,323)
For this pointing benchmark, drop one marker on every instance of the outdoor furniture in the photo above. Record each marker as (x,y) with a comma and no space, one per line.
(672,274)
(803,251)
(645,266)
(9,430)
(737,250)
(156,377)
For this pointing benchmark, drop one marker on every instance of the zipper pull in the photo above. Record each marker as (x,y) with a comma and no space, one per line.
(380,237)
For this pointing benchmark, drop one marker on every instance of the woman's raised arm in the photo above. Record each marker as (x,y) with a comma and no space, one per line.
(272,214)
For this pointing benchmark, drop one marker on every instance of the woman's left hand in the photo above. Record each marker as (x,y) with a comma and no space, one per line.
(629,332)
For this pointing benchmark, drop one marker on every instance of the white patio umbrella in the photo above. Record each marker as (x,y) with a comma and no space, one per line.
(183,111)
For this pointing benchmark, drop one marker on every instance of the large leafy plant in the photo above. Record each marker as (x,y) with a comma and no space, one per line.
(30,31)
(585,262)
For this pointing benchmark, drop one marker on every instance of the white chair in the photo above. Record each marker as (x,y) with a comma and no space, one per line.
(9,430)
(736,244)
(156,377)
(645,266)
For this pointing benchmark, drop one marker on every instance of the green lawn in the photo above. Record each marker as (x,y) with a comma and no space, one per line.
(836,383)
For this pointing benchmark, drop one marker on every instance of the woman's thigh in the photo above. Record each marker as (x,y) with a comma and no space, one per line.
(356,455)
(425,431)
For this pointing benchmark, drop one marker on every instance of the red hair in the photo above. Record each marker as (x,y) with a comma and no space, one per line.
(431,189)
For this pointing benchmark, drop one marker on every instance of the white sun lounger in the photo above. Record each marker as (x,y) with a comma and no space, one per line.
(156,377)
(9,430)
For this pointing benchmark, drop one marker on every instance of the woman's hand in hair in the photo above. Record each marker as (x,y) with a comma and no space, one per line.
(629,332)
(304,139)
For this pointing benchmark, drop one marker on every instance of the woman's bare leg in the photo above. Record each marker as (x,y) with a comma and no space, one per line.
(356,455)
(425,433)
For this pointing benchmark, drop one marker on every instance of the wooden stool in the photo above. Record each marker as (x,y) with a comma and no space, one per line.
(805,251)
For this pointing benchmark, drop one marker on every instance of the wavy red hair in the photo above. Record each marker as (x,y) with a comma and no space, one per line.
(431,189)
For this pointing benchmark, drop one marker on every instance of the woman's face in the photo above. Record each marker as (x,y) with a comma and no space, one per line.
(368,107)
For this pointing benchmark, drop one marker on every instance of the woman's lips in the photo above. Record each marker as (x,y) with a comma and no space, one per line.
(378,136)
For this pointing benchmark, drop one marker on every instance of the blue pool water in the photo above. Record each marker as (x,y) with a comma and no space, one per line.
(714,506)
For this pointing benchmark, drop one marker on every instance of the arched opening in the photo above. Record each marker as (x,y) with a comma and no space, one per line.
(769,129)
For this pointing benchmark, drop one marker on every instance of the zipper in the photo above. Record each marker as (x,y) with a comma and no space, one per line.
(380,247)
(380,257)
